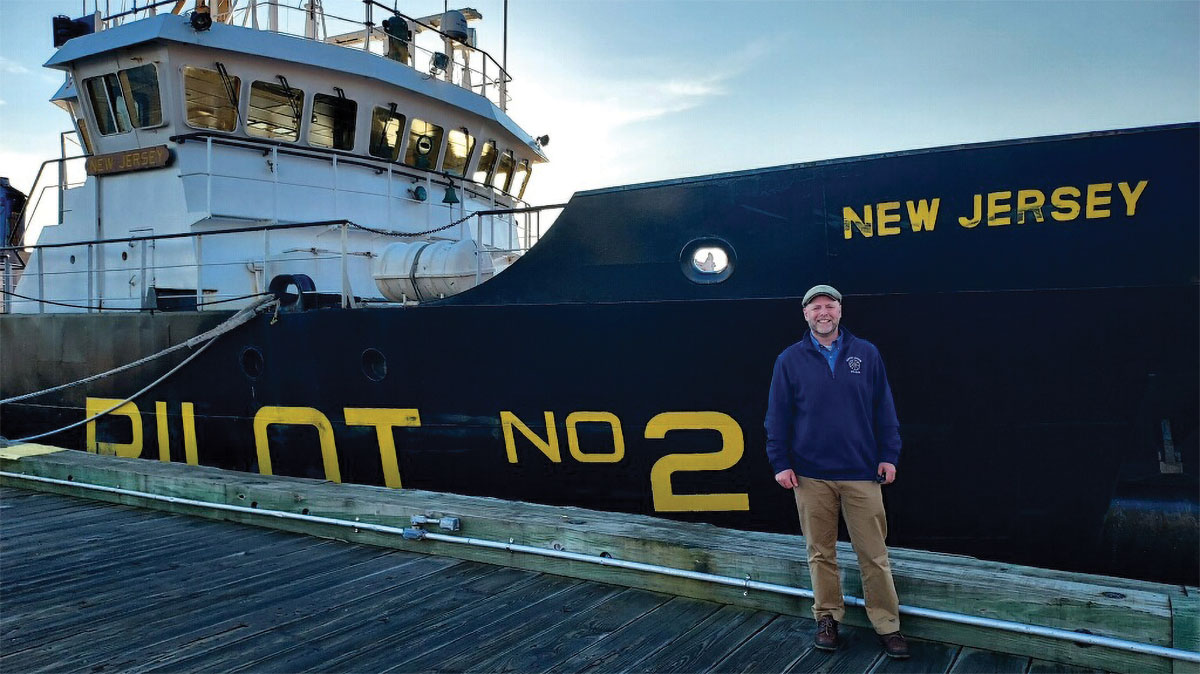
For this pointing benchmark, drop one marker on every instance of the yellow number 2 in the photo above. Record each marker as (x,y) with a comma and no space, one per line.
(665,499)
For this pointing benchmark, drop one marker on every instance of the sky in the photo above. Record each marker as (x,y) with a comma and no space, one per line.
(656,89)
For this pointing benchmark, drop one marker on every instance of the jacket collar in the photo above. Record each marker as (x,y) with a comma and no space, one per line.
(847,338)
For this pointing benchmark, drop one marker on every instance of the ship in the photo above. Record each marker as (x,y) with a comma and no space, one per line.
(309,255)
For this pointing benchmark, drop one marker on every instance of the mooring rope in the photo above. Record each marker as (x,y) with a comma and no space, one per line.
(208,337)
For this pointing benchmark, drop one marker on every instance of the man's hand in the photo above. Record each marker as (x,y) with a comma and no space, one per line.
(787,479)
(887,470)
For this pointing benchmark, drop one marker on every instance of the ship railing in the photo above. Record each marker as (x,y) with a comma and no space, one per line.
(401,181)
(60,182)
(466,65)
(528,224)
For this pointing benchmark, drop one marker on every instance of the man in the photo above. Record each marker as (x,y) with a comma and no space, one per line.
(833,439)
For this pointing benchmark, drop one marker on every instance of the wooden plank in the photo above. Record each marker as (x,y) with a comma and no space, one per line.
(710,642)
(1046,667)
(638,640)
(385,646)
(580,631)
(297,644)
(926,656)
(86,556)
(1135,611)
(1185,628)
(858,651)
(212,634)
(975,661)
(96,583)
(774,647)
(135,627)
(179,590)
(463,642)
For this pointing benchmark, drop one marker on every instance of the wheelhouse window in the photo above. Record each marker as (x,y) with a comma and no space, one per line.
(332,123)
(487,161)
(211,98)
(85,138)
(108,102)
(459,145)
(274,111)
(503,176)
(424,143)
(386,127)
(140,85)
(521,179)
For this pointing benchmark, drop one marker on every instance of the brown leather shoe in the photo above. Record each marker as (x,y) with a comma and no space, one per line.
(826,639)
(894,645)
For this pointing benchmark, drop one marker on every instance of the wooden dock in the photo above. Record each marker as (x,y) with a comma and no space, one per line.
(89,586)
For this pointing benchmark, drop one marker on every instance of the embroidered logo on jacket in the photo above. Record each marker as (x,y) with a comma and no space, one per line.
(855,364)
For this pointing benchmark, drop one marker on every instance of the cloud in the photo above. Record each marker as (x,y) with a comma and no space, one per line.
(11,67)
(3,102)
(597,121)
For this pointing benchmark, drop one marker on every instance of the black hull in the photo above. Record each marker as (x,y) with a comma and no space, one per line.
(1033,365)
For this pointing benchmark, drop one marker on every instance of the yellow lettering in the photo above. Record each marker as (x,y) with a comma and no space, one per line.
(187,413)
(129,450)
(618,452)
(305,416)
(384,420)
(1131,197)
(921,216)
(549,446)
(887,215)
(995,208)
(732,447)
(1097,196)
(1070,207)
(976,217)
(850,221)
(164,437)
(1030,201)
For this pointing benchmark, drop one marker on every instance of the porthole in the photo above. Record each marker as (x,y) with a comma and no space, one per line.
(124,256)
(252,362)
(707,261)
(72,259)
(374,365)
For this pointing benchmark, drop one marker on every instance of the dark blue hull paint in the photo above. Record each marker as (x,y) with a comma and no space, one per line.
(1033,364)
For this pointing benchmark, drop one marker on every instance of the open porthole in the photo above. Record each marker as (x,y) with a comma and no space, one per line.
(707,260)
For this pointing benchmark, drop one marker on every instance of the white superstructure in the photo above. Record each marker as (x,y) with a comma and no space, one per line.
(208,144)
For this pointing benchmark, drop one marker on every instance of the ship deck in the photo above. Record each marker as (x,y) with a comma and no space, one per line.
(92,586)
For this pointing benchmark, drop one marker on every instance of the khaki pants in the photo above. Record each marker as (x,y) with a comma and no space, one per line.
(818,502)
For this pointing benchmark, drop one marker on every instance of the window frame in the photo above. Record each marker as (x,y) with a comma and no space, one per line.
(473,143)
(238,123)
(401,134)
(487,179)
(112,112)
(289,92)
(436,151)
(353,124)
(162,108)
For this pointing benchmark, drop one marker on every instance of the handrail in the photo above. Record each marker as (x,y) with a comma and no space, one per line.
(137,9)
(503,72)
(38,177)
(375,164)
(257,228)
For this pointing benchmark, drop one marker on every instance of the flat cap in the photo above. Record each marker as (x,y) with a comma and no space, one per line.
(821,290)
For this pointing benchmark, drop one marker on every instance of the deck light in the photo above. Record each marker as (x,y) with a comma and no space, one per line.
(201,19)
(418,193)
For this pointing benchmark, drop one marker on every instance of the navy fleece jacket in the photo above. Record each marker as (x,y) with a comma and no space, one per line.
(836,425)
